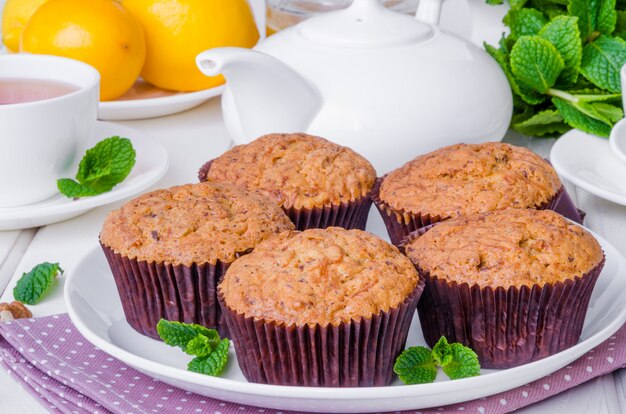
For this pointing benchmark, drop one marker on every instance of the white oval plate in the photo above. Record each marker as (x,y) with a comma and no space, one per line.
(150,165)
(94,307)
(588,162)
(147,101)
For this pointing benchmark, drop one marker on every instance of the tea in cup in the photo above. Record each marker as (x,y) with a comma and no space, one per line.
(48,112)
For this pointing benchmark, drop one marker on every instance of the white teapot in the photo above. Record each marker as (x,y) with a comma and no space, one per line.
(388,85)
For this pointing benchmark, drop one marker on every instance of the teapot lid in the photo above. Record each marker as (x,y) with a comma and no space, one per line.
(365,24)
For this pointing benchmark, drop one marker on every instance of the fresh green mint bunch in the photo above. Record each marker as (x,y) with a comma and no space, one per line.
(563,59)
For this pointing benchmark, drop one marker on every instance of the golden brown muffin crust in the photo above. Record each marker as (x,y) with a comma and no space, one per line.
(296,170)
(470,178)
(506,248)
(193,223)
(319,276)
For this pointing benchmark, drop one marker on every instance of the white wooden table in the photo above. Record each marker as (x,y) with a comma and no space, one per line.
(196,136)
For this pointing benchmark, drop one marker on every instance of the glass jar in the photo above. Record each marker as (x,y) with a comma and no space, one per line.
(284,13)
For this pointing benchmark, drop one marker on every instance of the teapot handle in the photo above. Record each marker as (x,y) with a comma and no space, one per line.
(429,11)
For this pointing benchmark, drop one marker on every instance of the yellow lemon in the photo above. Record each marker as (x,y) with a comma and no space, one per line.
(177,30)
(101,33)
(14,18)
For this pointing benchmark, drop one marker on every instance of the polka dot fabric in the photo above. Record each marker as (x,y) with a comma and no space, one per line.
(69,375)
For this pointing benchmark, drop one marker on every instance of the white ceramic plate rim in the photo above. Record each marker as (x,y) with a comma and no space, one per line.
(160,165)
(616,197)
(618,133)
(147,103)
(523,374)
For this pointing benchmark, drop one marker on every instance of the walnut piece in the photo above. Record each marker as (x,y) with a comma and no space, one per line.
(13,310)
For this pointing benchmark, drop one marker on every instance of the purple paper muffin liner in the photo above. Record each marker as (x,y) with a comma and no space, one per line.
(358,353)
(505,327)
(349,215)
(150,291)
(400,223)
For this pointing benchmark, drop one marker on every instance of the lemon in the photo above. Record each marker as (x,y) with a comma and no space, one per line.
(177,30)
(14,18)
(101,33)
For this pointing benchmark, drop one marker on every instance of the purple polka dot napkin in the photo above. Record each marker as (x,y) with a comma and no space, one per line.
(67,374)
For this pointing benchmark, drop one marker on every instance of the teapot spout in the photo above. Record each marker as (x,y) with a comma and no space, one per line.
(268,96)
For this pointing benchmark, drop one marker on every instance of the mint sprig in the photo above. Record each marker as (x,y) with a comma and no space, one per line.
(418,364)
(104,166)
(34,284)
(562,60)
(205,344)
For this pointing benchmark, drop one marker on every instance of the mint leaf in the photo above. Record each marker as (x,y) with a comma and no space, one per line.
(581,115)
(441,351)
(602,61)
(32,285)
(461,362)
(620,25)
(595,17)
(608,111)
(596,95)
(524,22)
(547,122)
(104,166)
(72,189)
(212,364)
(415,366)
(526,94)
(203,345)
(536,63)
(563,33)
(181,334)
(517,4)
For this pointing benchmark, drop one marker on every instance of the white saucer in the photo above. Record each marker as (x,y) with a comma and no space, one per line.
(151,163)
(588,162)
(95,309)
(147,101)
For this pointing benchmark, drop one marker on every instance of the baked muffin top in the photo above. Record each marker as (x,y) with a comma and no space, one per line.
(470,178)
(319,276)
(505,248)
(296,170)
(192,223)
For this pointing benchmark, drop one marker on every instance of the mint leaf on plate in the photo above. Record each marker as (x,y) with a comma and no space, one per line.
(461,362)
(203,345)
(416,366)
(32,285)
(536,62)
(212,364)
(180,334)
(602,61)
(104,166)
(563,33)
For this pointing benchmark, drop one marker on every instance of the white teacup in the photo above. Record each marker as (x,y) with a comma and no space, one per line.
(617,139)
(40,140)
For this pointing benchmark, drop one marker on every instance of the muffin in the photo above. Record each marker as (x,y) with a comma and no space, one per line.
(318,183)
(514,285)
(466,179)
(168,249)
(323,307)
